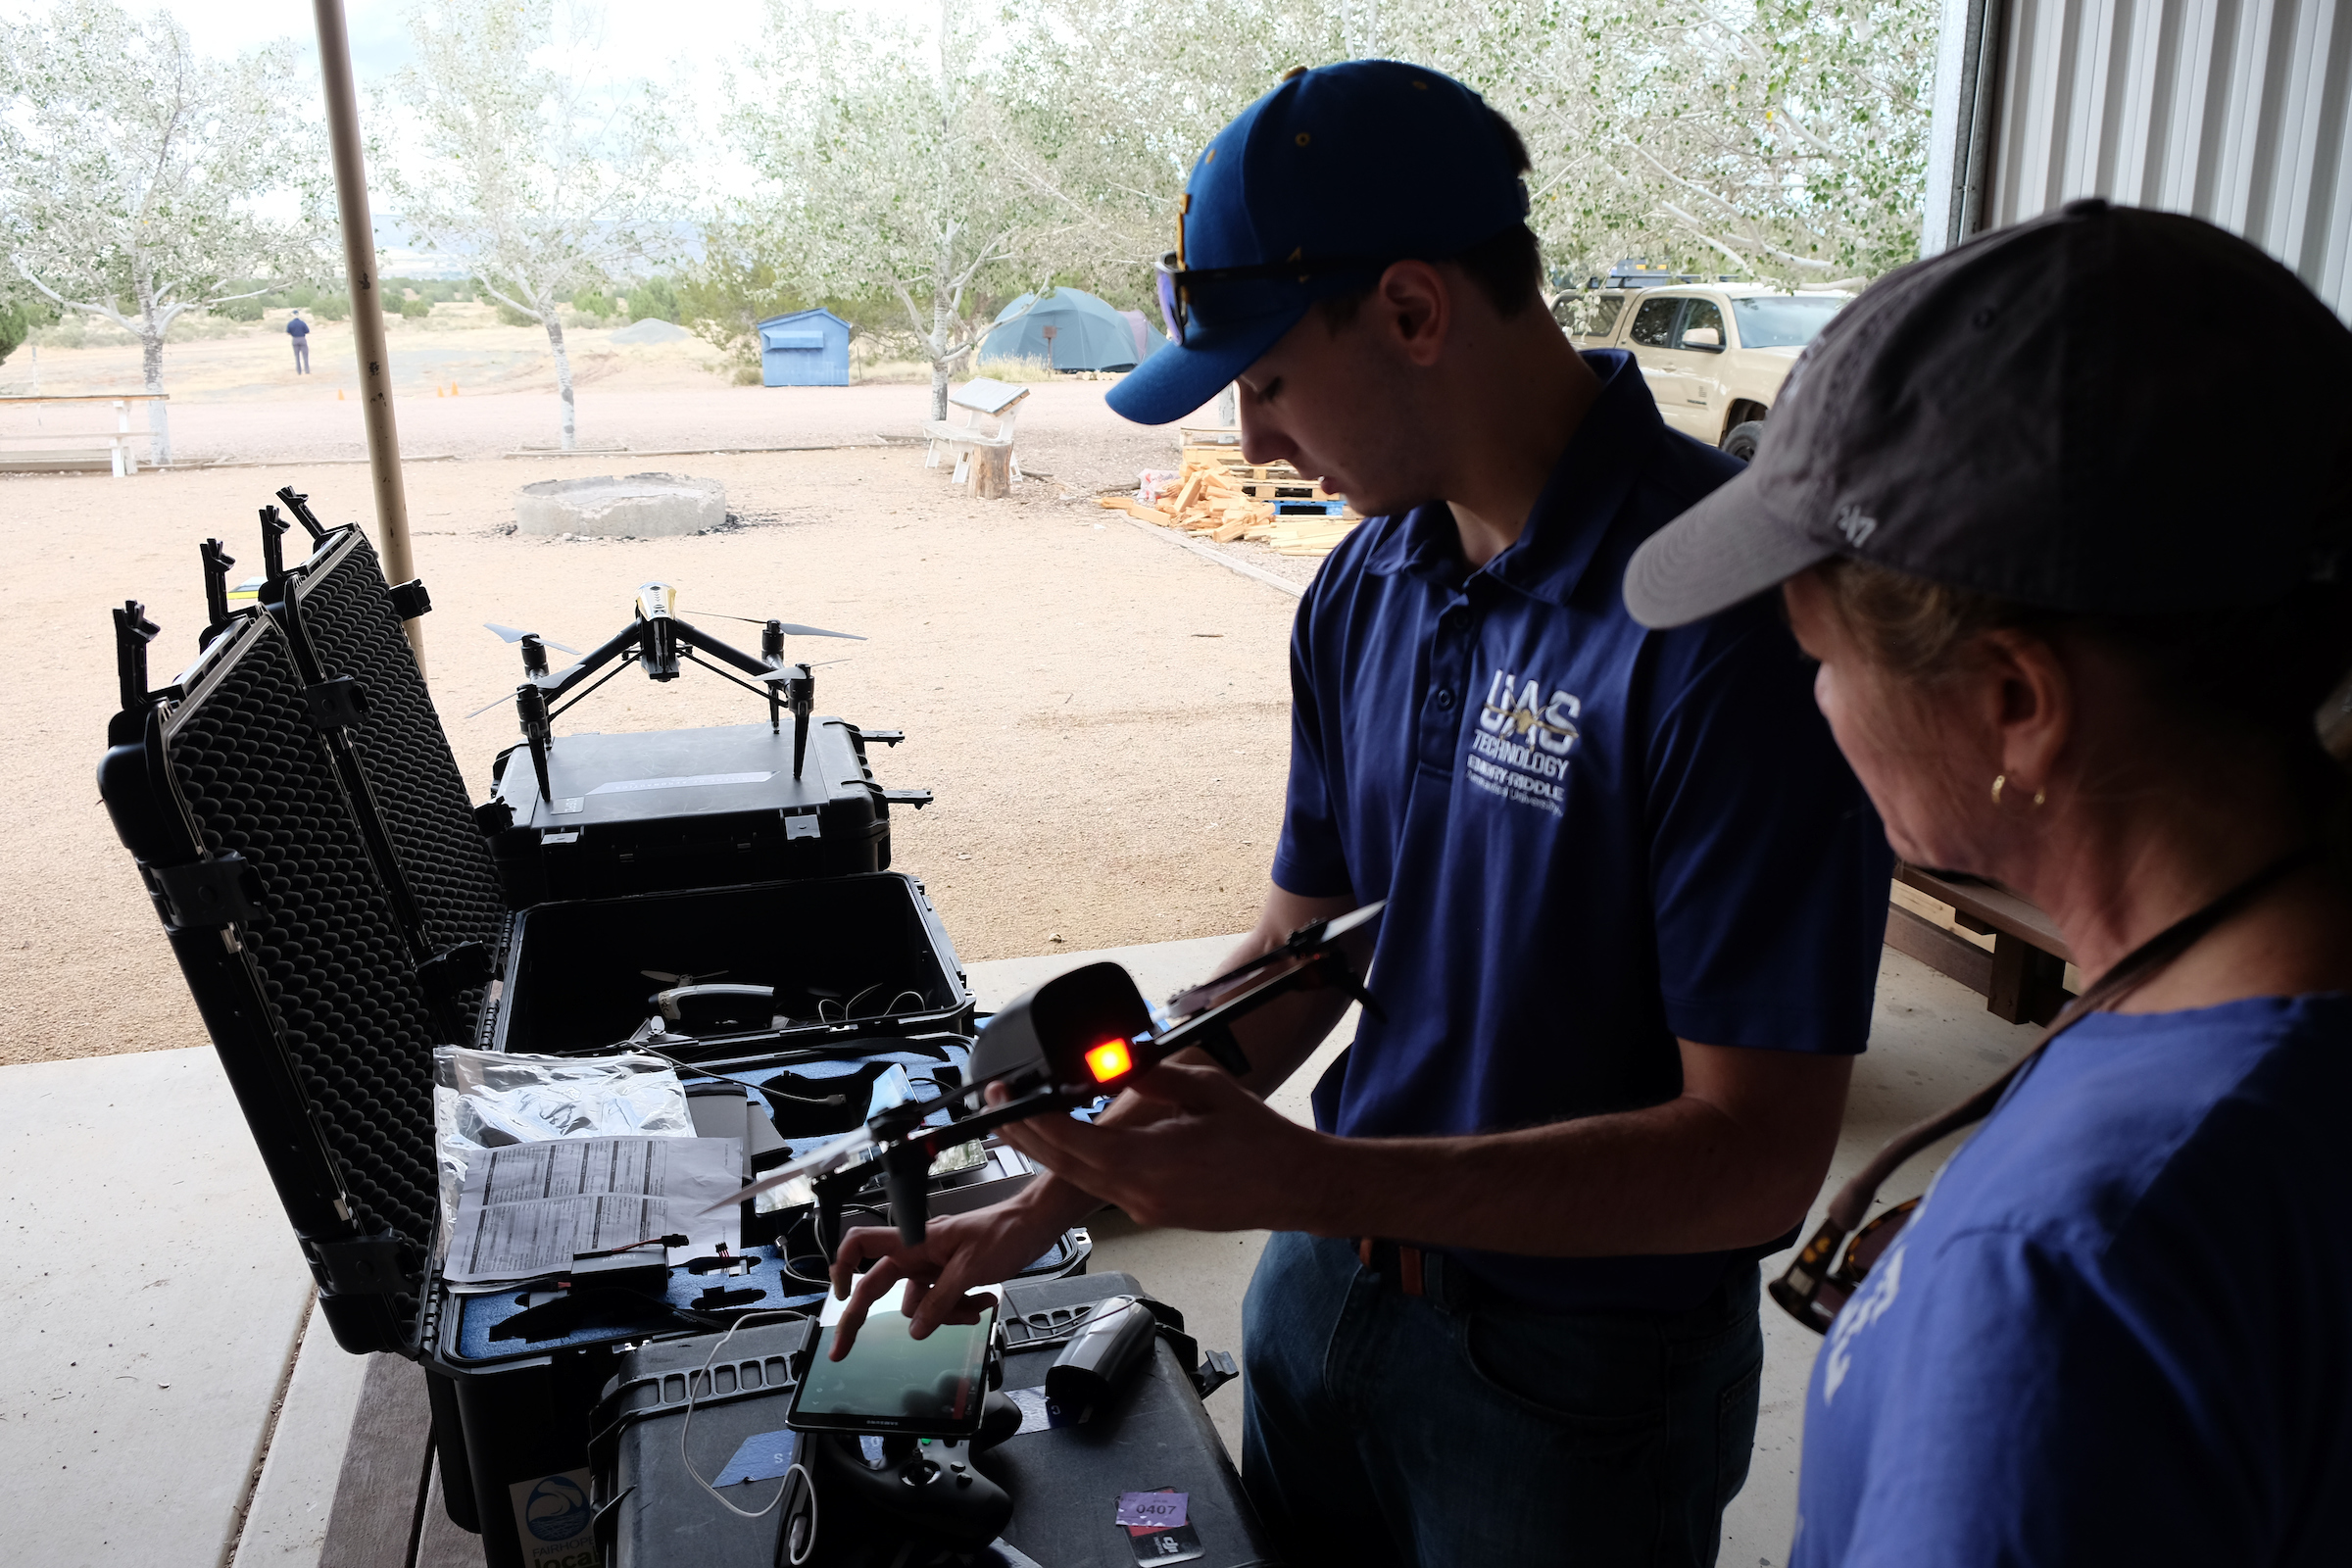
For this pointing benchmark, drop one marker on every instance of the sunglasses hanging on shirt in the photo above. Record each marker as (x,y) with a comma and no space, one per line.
(1812,1292)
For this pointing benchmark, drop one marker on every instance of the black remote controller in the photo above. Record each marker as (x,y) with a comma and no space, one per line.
(926,1488)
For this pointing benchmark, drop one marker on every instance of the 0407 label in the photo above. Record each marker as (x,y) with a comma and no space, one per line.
(1152,1510)
(1157,1530)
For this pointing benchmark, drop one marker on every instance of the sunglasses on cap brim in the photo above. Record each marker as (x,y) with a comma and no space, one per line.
(1228,287)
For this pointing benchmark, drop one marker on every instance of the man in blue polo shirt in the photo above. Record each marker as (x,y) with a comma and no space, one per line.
(1635,897)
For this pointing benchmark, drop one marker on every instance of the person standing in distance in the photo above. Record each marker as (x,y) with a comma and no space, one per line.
(1635,898)
(300,331)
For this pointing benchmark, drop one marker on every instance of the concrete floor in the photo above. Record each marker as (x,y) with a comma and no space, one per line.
(172,1396)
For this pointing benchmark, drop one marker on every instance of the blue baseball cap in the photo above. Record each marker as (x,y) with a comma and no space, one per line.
(1311,193)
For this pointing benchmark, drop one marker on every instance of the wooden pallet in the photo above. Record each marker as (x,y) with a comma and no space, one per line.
(1220,498)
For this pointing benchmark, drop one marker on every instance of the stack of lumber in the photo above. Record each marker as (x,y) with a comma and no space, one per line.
(1220,498)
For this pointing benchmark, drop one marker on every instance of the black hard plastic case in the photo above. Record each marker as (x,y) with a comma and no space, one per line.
(1064,1481)
(304,831)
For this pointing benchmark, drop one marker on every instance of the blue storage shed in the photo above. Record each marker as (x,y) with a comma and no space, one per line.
(808,348)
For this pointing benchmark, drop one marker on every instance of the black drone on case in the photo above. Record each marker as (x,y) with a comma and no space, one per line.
(660,642)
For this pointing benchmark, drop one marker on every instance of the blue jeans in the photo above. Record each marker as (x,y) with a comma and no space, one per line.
(1454,1429)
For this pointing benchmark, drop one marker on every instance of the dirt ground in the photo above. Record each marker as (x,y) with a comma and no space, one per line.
(1104,716)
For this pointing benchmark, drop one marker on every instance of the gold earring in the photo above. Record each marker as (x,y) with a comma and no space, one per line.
(1999,779)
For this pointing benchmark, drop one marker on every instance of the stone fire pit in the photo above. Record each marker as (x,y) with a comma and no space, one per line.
(634,505)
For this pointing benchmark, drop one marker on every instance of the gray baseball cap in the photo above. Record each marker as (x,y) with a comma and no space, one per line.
(2106,410)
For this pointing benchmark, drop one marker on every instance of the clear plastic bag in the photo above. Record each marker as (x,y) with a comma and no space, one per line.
(487,1100)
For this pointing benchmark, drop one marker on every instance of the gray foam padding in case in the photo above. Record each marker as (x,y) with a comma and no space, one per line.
(404,751)
(257,783)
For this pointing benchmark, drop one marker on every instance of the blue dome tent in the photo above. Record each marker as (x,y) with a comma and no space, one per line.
(1088,334)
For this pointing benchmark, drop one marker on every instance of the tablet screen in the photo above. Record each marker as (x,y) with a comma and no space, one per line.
(891,1382)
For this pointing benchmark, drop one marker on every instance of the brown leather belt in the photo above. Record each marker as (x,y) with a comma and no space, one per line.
(1395,1260)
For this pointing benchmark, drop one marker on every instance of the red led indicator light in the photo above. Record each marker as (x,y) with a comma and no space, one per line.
(1109,1059)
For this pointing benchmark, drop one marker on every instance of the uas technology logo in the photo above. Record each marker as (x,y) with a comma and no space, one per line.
(558,1509)
(1520,751)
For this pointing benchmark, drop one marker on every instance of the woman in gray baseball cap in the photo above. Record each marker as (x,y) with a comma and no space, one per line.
(2077,588)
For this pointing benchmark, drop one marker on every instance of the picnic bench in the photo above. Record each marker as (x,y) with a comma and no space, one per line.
(77,451)
(2022,977)
(984,459)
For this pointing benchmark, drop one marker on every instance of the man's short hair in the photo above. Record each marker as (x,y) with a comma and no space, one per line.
(1508,267)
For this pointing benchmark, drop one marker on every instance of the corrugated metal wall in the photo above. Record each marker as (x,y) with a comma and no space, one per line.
(2232,110)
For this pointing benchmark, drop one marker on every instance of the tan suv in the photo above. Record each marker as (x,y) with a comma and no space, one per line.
(1714,354)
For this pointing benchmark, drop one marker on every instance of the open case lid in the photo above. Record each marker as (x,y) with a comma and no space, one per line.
(343,622)
(228,792)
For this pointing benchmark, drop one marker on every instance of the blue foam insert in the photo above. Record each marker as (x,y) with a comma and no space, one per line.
(477,1315)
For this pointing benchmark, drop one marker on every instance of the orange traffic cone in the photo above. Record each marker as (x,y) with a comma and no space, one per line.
(338,394)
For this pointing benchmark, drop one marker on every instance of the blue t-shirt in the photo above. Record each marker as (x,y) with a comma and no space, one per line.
(2118,1330)
(1592,837)
(297,327)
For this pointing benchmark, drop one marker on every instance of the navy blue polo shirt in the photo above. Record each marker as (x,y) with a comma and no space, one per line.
(1594,837)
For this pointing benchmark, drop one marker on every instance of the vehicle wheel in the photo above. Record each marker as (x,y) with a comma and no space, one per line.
(1741,440)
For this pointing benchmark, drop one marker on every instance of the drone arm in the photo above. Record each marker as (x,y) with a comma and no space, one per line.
(723,675)
(695,635)
(558,712)
(593,660)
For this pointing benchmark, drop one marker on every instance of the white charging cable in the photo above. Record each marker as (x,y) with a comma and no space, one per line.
(807,1481)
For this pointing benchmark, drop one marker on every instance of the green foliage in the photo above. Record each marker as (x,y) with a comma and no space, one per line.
(301,296)
(23,313)
(248,308)
(331,308)
(738,284)
(417,309)
(437,290)
(941,164)
(129,166)
(654,299)
(528,159)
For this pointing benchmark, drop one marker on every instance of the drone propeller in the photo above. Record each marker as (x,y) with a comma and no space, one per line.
(513,635)
(788,628)
(792,671)
(506,697)
(670,979)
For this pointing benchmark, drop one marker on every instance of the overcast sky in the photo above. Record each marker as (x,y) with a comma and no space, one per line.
(641,39)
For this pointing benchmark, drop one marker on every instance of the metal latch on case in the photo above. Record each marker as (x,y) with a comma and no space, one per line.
(409,599)
(336,703)
(372,1265)
(209,894)
(455,967)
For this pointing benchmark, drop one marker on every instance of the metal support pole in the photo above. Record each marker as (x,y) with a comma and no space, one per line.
(367,309)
